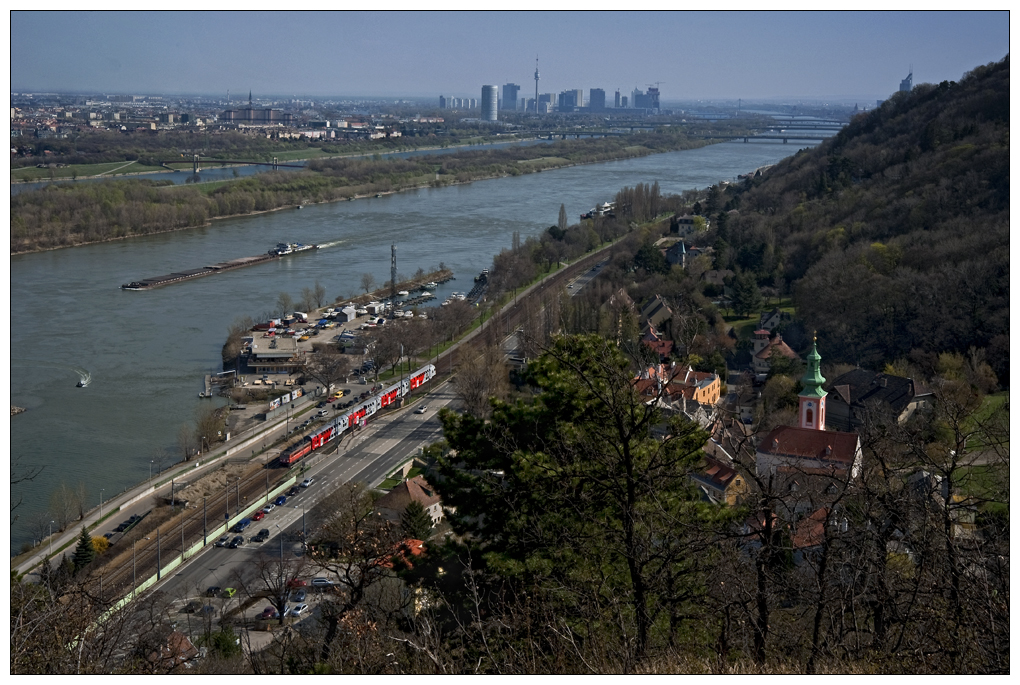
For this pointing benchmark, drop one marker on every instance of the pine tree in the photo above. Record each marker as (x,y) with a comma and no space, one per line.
(415,522)
(562,223)
(85,552)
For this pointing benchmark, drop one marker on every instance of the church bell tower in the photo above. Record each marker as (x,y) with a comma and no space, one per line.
(812,397)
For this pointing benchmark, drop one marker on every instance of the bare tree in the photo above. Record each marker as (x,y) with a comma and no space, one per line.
(161,458)
(352,545)
(20,474)
(367,282)
(62,505)
(319,293)
(285,304)
(80,497)
(327,366)
(186,441)
(480,378)
(307,299)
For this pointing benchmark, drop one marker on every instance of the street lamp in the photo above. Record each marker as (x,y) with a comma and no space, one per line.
(150,469)
(101,503)
(51,537)
(203,443)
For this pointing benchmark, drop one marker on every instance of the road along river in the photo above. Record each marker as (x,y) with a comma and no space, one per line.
(146,352)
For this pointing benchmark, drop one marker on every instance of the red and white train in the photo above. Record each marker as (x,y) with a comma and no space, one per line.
(355,415)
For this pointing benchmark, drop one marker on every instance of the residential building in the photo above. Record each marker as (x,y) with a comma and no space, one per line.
(489,103)
(568,101)
(720,483)
(655,312)
(392,505)
(679,383)
(764,348)
(596,99)
(860,396)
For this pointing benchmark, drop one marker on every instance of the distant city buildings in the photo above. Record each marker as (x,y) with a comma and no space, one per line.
(489,103)
(510,91)
(907,84)
(596,99)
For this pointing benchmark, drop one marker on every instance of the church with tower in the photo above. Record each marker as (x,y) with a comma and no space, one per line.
(807,457)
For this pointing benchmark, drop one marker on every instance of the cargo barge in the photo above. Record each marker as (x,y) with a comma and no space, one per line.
(179,276)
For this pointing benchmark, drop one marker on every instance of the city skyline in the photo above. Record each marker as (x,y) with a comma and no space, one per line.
(692,55)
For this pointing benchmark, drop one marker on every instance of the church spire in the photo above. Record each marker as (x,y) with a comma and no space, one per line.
(249,98)
(812,397)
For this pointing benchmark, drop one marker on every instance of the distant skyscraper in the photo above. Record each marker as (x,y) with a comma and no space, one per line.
(568,101)
(579,97)
(616,103)
(442,102)
(538,100)
(510,91)
(489,103)
(596,99)
(473,104)
(907,84)
(624,102)
(523,105)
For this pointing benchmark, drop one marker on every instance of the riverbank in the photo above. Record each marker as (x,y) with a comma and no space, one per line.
(39,224)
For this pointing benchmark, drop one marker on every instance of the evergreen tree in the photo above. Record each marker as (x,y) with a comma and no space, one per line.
(415,522)
(746,295)
(562,223)
(85,552)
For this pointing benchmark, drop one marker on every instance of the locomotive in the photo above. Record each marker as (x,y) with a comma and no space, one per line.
(355,415)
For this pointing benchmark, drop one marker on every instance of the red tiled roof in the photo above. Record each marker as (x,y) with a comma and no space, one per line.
(811,530)
(720,474)
(779,346)
(792,441)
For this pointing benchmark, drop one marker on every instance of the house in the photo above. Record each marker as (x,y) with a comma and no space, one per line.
(653,340)
(686,224)
(392,505)
(655,312)
(677,254)
(763,349)
(176,650)
(861,394)
(770,320)
(720,483)
(679,383)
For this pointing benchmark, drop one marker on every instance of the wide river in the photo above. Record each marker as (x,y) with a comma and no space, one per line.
(146,352)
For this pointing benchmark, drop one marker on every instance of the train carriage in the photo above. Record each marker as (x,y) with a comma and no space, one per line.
(356,416)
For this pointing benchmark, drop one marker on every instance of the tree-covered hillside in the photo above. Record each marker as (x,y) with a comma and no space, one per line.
(894,234)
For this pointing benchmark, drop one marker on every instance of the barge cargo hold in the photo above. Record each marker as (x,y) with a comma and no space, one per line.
(179,276)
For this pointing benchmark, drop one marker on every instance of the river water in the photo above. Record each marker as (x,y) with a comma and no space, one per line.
(146,352)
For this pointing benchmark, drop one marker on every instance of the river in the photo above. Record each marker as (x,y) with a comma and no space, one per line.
(146,352)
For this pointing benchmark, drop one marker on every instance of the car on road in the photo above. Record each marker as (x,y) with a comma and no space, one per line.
(297,610)
(280,501)
(297,596)
(229,592)
(323,412)
(293,491)
(241,525)
(222,542)
(422,409)
(269,508)
(297,582)
(236,542)
(258,516)
(261,536)
(320,405)
(207,610)
(306,482)
(212,591)
(321,582)
(269,612)
(191,607)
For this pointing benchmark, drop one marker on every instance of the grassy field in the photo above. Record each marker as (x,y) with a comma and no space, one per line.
(988,405)
(745,327)
(80,171)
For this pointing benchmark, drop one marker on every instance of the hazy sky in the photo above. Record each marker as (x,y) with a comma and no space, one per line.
(695,55)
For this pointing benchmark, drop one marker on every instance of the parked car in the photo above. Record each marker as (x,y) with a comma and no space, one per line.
(191,607)
(323,412)
(297,582)
(306,482)
(229,592)
(237,542)
(269,508)
(297,596)
(212,591)
(207,610)
(262,535)
(280,501)
(297,610)
(320,405)
(269,612)
(258,516)
(321,582)
(241,525)
(222,542)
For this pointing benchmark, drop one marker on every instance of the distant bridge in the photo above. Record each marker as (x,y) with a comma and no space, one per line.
(785,137)
(197,161)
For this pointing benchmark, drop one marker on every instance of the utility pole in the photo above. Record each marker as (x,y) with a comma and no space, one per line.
(393,272)
(205,531)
